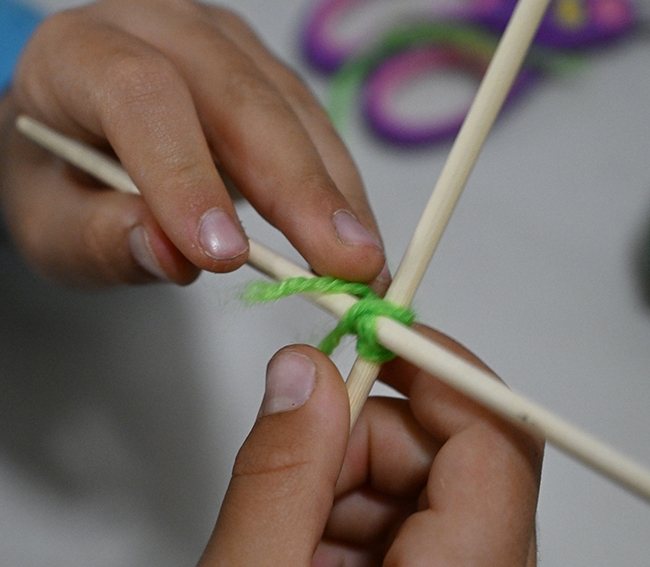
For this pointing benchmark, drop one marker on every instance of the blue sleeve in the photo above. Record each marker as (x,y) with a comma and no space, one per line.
(17,22)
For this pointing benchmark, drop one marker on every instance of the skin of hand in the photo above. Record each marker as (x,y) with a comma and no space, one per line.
(178,92)
(433,479)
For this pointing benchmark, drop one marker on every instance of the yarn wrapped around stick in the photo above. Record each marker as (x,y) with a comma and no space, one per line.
(359,320)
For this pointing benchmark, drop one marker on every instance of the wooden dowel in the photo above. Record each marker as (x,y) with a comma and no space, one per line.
(472,381)
(81,155)
(359,383)
(477,384)
(481,387)
(489,100)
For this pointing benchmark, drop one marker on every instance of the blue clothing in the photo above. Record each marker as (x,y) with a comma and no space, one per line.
(17,22)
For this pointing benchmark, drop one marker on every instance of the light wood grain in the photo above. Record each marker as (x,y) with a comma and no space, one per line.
(489,100)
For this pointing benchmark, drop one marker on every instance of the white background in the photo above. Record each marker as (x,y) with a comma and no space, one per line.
(122,411)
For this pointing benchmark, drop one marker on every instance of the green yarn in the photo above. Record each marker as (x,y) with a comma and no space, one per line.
(360,319)
(264,292)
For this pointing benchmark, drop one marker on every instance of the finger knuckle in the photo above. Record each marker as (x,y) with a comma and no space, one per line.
(401,558)
(312,187)
(56,26)
(317,182)
(297,91)
(247,89)
(49,37)
(268,460)
(227,18)
(137,79)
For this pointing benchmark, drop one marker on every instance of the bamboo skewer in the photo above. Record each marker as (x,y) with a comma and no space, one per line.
(489,100)
(491,95)
(81,155)
(448,367)
(475,383)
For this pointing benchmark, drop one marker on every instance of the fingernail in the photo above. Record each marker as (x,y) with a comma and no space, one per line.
(380,284)
(143,254)
(349,230)
(219,236)
(290,380)
(384,276)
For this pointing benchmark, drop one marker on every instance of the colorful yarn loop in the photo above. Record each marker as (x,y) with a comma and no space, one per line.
(359,320)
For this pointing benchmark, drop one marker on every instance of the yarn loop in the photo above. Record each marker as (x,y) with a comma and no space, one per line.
(359,320)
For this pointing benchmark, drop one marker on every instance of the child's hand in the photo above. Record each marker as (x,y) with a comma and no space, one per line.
(171,87)
(432,480)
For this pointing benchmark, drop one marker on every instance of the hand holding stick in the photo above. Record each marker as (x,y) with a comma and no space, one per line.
(472,381)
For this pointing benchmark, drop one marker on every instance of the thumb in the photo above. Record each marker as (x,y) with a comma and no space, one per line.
(282,487)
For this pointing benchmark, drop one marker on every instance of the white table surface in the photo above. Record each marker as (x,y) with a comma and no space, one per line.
(122,411)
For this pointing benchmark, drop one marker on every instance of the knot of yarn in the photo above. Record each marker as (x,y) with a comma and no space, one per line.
(359,320)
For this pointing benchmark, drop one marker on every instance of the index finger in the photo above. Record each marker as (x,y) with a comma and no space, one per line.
(115,89)
(253,128)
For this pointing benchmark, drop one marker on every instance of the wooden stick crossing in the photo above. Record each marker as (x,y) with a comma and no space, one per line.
(417,349)
(489,100)
(475,383)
